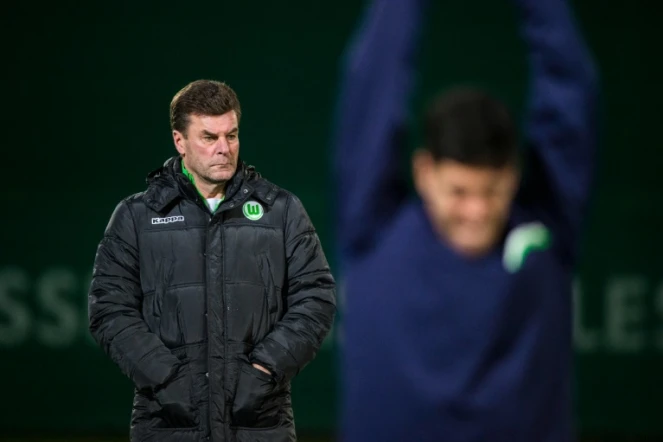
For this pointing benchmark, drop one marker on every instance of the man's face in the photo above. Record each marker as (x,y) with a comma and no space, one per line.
(210,147)
(468,205)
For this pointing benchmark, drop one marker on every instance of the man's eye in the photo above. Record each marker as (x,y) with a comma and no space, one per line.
(232,136)
(208,138)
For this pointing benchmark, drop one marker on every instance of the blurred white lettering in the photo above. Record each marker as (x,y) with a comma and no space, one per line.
(53,311)
(14,317)
(584,338)
(53,289)
(624,314)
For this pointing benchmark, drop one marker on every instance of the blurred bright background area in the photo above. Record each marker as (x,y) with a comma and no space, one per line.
(87,89)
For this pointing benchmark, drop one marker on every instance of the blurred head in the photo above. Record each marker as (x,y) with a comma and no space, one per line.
(204,118)
(467,172)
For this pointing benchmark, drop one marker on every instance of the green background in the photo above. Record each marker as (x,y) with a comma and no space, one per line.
(87,88)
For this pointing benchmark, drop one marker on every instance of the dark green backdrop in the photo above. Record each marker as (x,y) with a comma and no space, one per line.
(86,112)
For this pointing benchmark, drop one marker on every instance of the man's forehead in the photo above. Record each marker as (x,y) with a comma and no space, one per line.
(469,176)
(214,123)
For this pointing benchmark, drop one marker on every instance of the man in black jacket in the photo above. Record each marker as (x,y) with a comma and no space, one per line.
(210,290)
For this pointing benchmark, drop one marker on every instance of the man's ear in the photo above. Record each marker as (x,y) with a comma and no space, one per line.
(178,139)
(422,166)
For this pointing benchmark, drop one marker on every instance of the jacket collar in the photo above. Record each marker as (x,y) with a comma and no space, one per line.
(167,185)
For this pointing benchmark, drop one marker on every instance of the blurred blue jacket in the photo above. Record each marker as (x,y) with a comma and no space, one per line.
(437,347)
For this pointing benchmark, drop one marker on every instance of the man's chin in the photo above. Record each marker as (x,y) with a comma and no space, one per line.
(220,177)
(477,244)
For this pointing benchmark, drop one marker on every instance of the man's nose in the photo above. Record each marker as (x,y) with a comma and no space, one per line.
(476,208)
(222,146)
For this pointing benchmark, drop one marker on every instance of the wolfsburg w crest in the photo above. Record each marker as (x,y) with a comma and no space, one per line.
(253,210)
(522,241)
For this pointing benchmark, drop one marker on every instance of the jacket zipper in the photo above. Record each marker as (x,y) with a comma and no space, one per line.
(224,206)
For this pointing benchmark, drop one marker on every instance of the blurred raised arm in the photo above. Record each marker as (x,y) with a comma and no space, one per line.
(561,134)
(371,122)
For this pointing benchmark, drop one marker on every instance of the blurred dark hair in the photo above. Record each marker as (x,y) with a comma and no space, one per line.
(471,127)
(202,97)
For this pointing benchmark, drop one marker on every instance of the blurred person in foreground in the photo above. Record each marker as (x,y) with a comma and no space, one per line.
(210,289)
(457,313)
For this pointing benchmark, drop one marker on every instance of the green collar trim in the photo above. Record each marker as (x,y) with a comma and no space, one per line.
(188,174)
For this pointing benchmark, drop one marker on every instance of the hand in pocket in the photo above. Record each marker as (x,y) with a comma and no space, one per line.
(254,406)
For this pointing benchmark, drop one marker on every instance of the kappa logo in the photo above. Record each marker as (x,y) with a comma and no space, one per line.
(253,210)
(168,220)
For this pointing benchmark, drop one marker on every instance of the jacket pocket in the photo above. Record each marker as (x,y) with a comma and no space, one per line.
(274,303)
(255,404)
(172,329)
(173,406)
